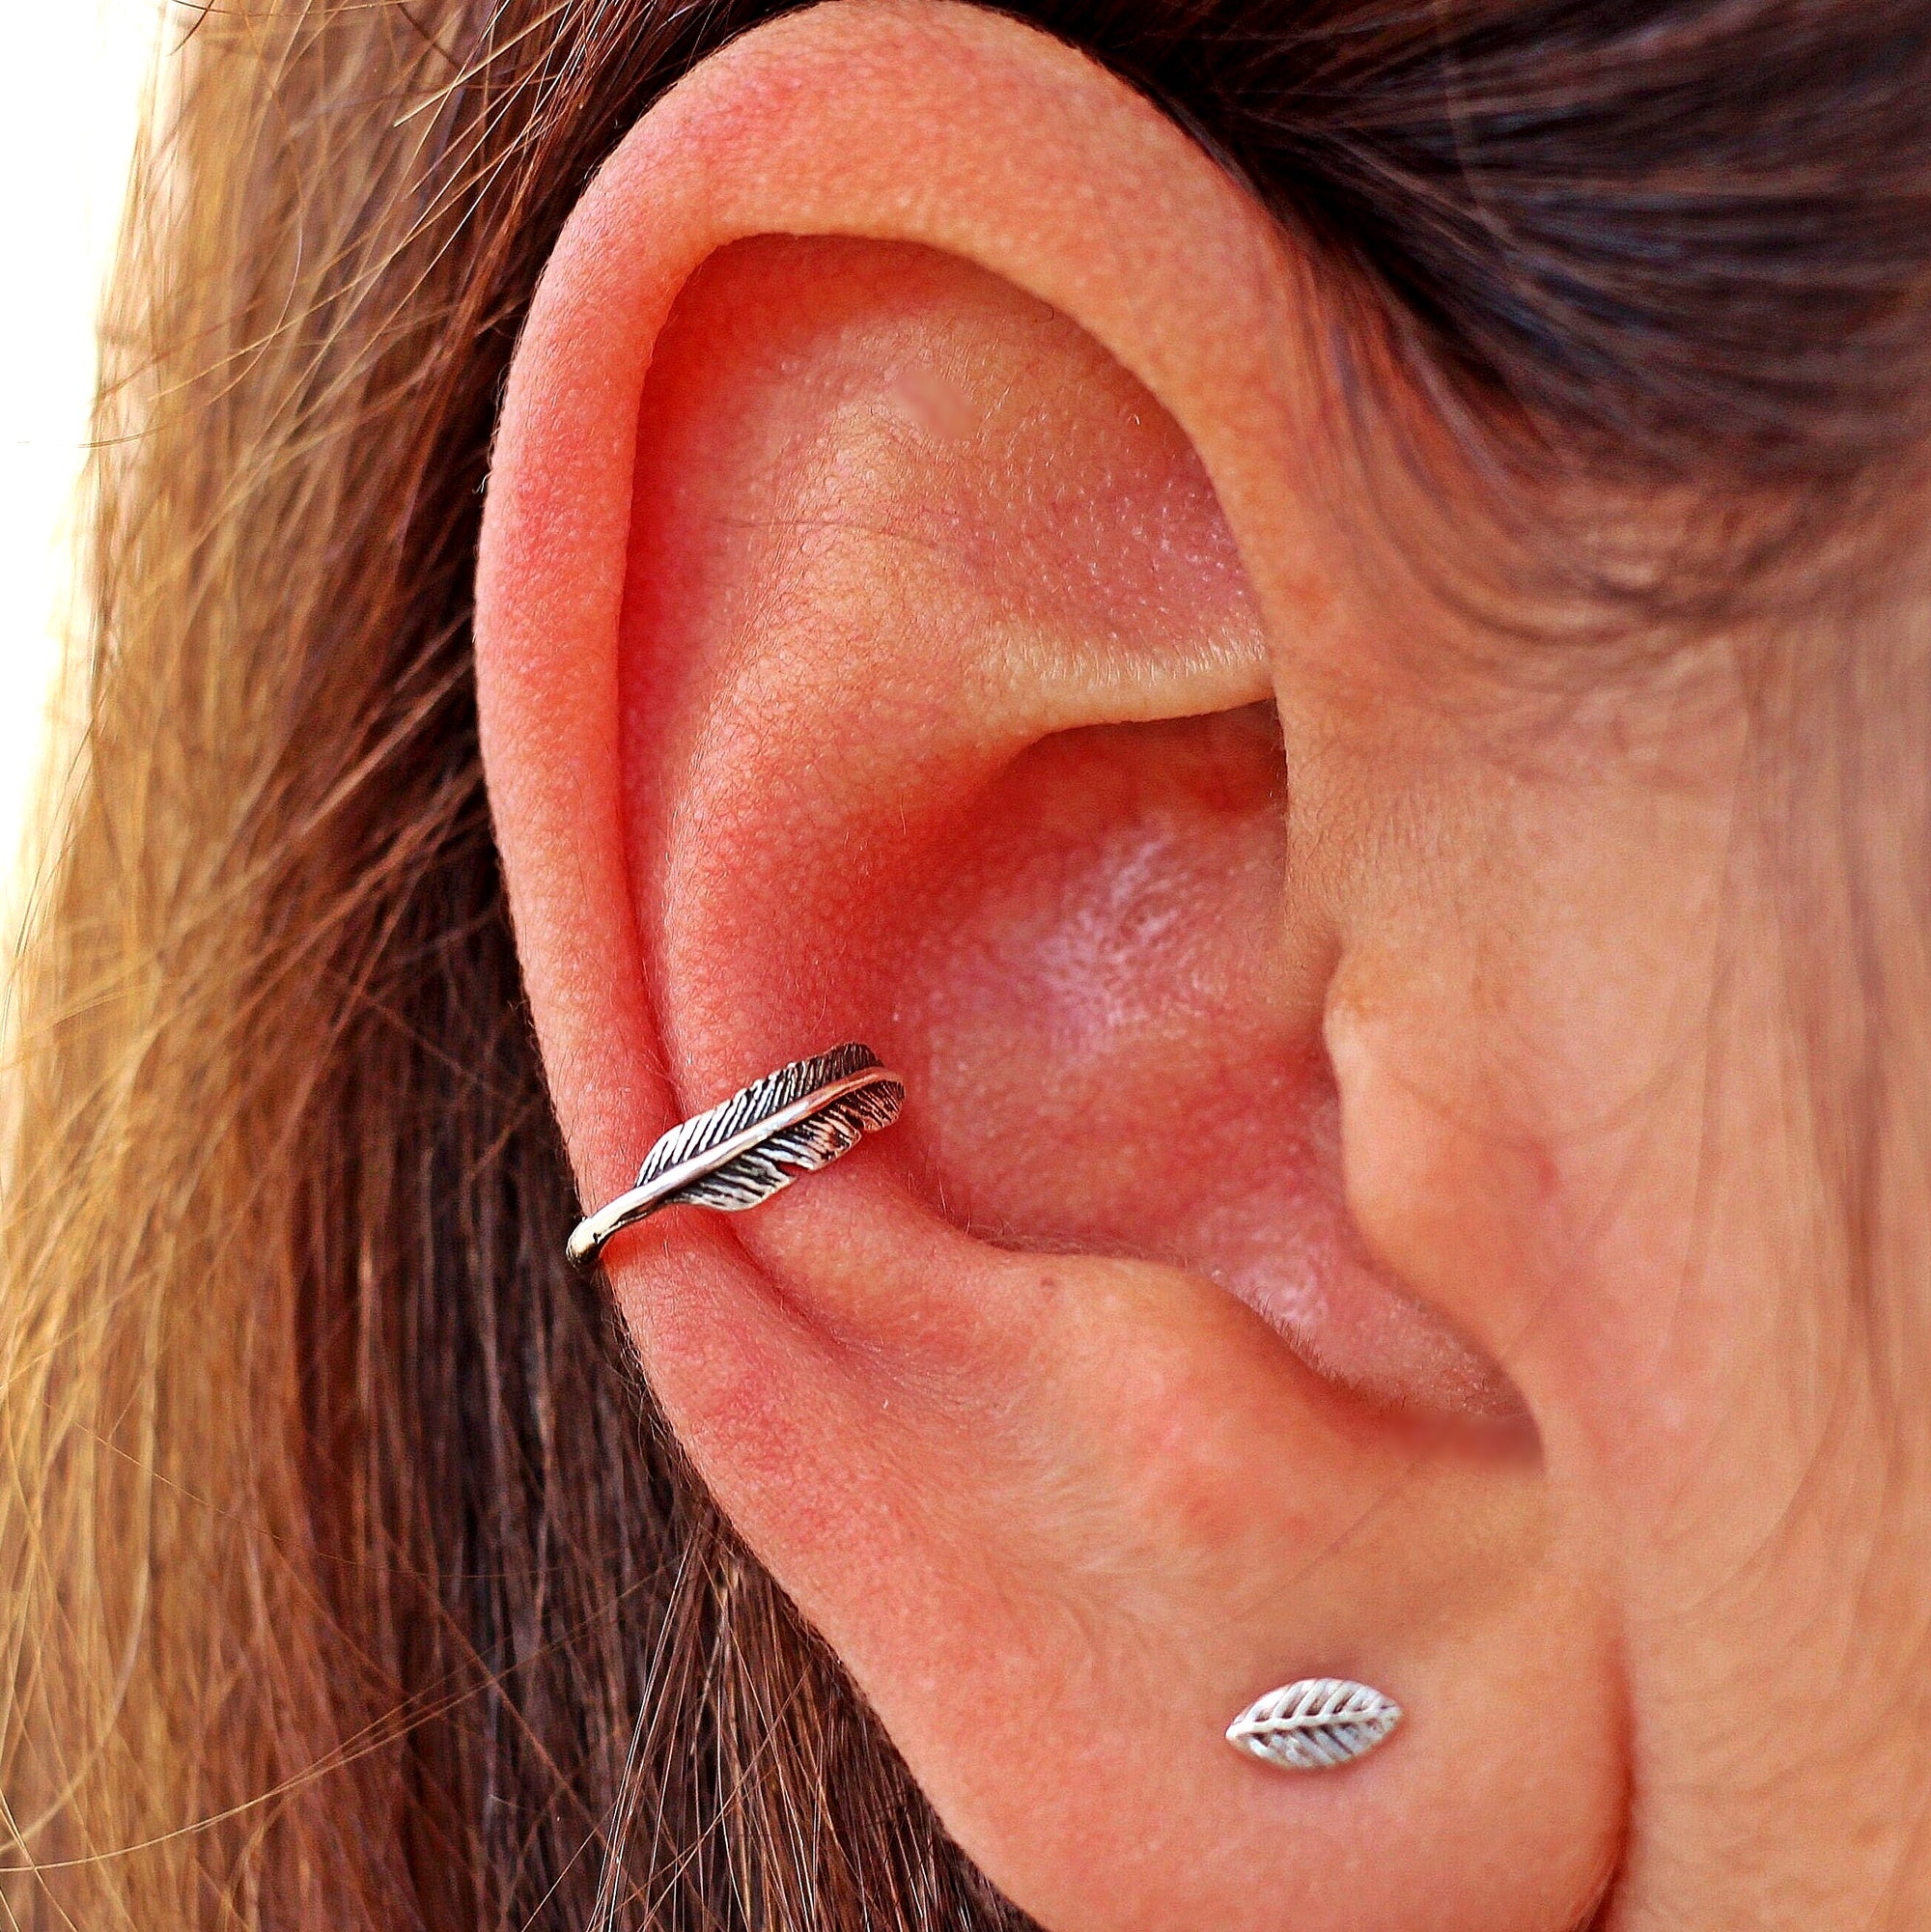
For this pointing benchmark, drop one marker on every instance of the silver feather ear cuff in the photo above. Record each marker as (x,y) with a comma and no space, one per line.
(1314,1724)
(747,1148)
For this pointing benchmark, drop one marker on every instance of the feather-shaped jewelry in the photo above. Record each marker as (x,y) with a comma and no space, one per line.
(747,1148)
(1314,1724)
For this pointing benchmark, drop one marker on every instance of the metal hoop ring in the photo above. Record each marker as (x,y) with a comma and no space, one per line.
(749,1147)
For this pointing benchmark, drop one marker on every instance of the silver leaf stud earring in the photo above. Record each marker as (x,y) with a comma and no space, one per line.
(747,1148)
(1314,1724)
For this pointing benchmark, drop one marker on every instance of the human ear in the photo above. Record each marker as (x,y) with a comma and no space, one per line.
(884,630)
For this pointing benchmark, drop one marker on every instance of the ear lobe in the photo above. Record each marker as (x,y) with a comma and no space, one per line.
(912,697)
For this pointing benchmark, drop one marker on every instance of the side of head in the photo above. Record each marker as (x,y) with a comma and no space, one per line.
(1381,818)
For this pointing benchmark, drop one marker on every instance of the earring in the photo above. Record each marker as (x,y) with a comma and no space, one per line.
(1314,1724)
(747,1148)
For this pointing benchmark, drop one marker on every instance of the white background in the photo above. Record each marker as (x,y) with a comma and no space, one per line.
(70,85)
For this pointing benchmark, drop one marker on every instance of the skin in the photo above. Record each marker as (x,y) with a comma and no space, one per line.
(1343,1218)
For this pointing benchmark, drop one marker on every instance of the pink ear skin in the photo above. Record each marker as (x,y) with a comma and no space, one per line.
(883,650)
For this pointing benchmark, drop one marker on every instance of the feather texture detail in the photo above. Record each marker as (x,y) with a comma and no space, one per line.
(758,1172)
(747,1148)
(1315,1724)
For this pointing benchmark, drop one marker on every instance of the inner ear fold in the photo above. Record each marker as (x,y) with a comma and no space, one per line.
(938,641)
(893,522)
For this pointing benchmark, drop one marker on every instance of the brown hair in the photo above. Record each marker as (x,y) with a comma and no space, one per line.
(340,1547)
